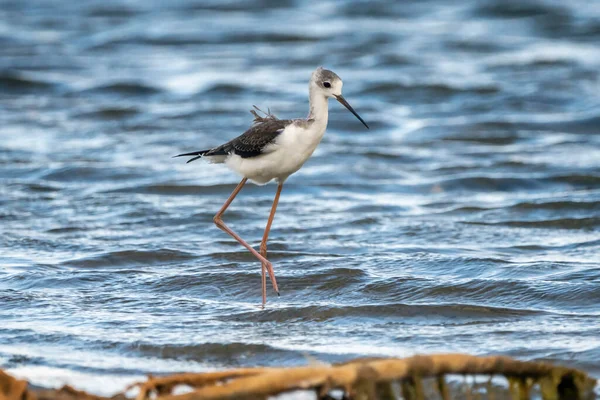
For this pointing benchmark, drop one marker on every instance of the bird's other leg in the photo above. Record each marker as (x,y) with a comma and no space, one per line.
(263,246)
(219,222)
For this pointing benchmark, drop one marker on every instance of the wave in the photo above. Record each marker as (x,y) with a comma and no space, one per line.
(174,189)
(556,205)
(514,9)
(88,174)
(388,312)
(130,257)
(426,90)
(586,223)
(212,352)
(17,82)
(110,113)
(126,88)
(189,40)
(512,184)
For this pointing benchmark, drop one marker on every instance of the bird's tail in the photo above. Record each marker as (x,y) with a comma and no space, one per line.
(197,154)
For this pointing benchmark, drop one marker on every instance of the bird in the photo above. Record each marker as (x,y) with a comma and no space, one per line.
(272,149)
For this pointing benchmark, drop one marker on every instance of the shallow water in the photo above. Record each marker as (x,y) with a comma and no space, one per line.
(466,220)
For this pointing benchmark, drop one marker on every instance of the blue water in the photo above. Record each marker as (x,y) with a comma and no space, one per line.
(466,220)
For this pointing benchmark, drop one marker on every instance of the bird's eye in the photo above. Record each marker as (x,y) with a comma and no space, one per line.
(327,84)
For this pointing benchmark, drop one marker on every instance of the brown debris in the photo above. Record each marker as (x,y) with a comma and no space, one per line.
(12,388)
(163,385)
(69,393)
(367,378)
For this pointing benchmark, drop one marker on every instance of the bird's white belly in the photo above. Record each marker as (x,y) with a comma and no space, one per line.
(282,158)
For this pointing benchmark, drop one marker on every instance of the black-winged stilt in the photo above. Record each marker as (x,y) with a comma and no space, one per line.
(273,149)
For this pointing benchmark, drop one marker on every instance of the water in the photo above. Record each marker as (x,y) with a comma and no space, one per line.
(466,220)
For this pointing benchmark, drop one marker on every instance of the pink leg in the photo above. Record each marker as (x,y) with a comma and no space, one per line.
(263,244)
(219,222)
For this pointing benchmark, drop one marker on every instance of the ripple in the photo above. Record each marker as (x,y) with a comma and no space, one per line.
(110,113)
(514,9)
(485,184)
(437,91)
(559,223)
(512,184)
(387,312)
(14,81)
(130,257)
(176,189)
(271,37)
(225,89)
(112,10)
(89,174)
(559,205)
(126,88)
(229,353)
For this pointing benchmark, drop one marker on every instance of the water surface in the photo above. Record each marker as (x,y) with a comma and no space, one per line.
(466,220)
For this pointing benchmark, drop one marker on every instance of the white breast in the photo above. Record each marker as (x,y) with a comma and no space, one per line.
(283,157)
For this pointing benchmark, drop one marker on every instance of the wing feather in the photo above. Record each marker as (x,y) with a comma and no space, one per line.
(254,141)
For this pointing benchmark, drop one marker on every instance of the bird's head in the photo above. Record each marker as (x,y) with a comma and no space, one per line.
(328,84)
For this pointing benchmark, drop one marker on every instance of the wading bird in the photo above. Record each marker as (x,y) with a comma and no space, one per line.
(273,149)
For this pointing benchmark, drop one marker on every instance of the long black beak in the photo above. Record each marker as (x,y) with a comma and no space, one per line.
(342,100)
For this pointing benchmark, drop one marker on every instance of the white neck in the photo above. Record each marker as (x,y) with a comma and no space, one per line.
(319,109)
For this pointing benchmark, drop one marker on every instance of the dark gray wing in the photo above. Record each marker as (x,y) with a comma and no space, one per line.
(252,142)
